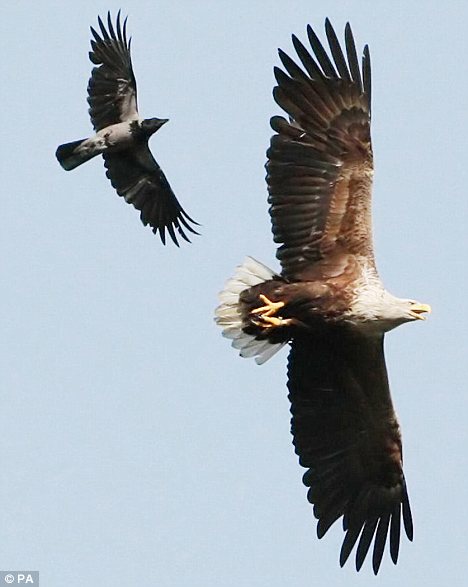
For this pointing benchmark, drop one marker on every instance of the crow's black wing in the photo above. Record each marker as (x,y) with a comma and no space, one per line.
(138,178)
(112,94)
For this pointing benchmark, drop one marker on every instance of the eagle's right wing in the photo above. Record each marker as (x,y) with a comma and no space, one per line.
(319,169)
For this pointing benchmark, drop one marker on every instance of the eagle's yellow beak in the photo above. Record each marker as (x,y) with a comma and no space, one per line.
(419,309)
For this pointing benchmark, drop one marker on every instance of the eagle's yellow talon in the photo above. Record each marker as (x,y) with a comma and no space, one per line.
(271,321)
(264,316)
(269,308)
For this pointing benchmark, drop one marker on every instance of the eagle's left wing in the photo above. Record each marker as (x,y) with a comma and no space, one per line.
(346,434)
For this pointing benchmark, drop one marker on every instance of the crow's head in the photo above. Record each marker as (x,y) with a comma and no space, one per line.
(151,125)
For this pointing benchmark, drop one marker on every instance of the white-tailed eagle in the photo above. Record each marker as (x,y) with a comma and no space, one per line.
(328,301)
(122,136)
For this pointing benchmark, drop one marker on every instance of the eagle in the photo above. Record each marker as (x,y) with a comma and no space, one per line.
(328,301)
(122,136)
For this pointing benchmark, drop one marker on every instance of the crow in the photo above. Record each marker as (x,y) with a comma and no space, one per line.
(122,136)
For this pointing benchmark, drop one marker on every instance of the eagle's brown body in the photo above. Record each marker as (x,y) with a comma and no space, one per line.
(309,304)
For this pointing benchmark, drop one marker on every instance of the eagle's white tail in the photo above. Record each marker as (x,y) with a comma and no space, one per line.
(228,314)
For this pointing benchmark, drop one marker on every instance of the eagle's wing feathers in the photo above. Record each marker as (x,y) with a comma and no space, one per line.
(319,165)
(346,433)
(112,93)
(137,177)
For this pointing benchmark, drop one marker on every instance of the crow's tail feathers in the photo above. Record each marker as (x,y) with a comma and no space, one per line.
(70,155)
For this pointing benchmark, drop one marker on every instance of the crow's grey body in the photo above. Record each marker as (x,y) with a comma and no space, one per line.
(122,136)
(111,139)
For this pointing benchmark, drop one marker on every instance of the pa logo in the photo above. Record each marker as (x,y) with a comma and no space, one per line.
(20,579)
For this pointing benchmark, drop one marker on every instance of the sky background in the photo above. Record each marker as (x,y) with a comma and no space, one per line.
(137,447)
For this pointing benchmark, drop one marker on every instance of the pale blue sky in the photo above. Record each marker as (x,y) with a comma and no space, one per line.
(137,447)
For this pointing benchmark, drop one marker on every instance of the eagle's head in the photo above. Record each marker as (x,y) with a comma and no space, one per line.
(394,311)
(413,310)
(376,309)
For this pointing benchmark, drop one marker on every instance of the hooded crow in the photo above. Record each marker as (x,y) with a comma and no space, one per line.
(122,136)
